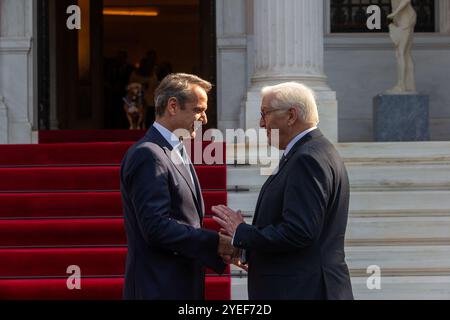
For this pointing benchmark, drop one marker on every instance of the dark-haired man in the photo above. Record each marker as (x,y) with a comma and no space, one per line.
(163,206)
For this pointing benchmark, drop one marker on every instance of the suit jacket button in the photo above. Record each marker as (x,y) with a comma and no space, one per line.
(175,253)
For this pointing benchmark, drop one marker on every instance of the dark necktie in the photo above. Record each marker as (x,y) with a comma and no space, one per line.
(191,169)
(280,165)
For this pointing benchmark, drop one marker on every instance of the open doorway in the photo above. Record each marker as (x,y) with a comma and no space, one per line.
(89,69)
(145,40)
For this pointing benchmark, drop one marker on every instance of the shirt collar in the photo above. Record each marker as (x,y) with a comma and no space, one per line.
(296,139)
(172,139)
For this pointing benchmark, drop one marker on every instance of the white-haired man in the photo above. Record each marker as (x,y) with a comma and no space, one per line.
(295,245)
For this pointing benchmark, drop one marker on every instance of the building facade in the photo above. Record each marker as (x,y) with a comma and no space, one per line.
(400,212)
(260,42)
(263,42)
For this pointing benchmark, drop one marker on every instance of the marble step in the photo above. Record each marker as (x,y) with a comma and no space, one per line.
(365,152)
(389,231)
(408,260)
(395,152)
(391,288)
(398,230)
(399,177)
(395,260)
(392,201)
(404,288)
(371,202)
(394,231)
(362,177)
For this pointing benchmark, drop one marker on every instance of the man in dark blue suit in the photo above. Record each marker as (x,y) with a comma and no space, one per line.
(295,245)
(163,204)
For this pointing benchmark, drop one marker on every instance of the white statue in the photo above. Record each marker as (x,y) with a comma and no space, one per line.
(402,31)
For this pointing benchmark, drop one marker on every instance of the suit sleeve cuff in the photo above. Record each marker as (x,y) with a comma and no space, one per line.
(238,240)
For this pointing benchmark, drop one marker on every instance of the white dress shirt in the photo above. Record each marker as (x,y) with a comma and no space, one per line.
(296,139)
(174,141)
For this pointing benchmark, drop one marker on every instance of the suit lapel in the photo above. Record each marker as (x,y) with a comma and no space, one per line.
(199,196)
(182,169)
(259,201)
(310,135)
(153,135)
(265,185)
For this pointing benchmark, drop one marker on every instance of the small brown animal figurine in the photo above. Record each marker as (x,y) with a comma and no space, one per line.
(134,106)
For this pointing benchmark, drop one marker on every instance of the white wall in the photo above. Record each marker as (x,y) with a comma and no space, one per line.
(358,67)
(17,81)
(361,66)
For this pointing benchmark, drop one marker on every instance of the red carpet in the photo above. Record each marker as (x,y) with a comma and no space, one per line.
(88,178)
(74,153)
(82,204)
(67,232)
(60,206)
(63,154)
(94,262)
(68,136)
(91,289)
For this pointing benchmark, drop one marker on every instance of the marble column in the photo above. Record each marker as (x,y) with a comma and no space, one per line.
(3,122)
(444,16)
(17,71)
(231,24)
(289,46)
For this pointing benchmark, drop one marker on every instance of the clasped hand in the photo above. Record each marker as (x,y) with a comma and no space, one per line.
(228,220)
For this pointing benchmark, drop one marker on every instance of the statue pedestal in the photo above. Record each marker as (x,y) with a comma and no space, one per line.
(401,117)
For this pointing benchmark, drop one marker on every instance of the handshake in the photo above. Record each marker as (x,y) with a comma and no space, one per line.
(228,220)
(229,254)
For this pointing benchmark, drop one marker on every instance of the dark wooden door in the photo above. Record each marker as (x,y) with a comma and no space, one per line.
(70,66)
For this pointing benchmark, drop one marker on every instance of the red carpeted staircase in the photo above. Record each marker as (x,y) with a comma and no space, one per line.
(60,206)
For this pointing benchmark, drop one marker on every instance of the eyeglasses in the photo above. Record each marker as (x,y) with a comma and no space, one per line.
(264,114)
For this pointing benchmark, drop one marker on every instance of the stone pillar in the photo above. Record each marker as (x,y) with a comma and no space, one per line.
(231,61)
(17,70)
(3,122)
(288,37)
(444,16)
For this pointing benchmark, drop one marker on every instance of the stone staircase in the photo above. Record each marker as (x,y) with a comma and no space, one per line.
(399,216)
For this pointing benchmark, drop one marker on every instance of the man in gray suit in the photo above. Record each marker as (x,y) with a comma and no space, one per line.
(295,245)
(163,204)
